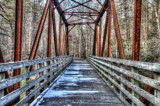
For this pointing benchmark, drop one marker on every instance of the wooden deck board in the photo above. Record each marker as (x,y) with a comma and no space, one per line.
(79,85)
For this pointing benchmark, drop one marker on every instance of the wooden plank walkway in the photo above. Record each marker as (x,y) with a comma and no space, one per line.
(79,85)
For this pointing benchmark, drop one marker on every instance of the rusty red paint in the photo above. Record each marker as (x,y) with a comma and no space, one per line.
(39,32)
(109,34)
(104,6)
(117,30)
(136,30)
(100,39)
(136,36)
(18,36)
(49,31)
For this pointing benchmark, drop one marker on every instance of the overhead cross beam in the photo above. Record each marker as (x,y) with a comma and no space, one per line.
(85,6)
(77,5)
(81,23)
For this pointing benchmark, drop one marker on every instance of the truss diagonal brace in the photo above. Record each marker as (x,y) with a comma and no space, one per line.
(59,9)
(77,5)
(39,32)
(85,6)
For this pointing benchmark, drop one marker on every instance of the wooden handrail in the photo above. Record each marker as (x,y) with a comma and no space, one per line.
(47,73)
(114,71)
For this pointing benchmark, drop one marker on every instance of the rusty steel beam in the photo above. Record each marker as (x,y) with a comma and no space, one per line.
(60,37)
(100,39)
(54,32)
(67,40)
(94,40)
(78,20)
(91,27)
(102,11)
(97,41)
(69,17)
(136,37)
(109,34)
(81,14)
(77,5)
(39,32)
(58,5)
(104,34)
(84,5)
(18,37)
(136,30)
(49,42)
(59,9)
(102,5)
(1,57)
(71,28)
(117,30)
(81,23)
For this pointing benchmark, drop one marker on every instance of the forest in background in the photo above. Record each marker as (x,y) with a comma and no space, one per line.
(81,37)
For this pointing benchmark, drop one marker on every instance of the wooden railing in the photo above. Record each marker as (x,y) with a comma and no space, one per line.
(32,83)
(127,77)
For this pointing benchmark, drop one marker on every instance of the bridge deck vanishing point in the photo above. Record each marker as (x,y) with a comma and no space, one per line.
(79,85)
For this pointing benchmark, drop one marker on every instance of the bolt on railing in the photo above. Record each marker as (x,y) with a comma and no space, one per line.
(42,75)
(116,72)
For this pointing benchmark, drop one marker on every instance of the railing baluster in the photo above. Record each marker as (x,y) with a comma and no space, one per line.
(33,82)
(119,72)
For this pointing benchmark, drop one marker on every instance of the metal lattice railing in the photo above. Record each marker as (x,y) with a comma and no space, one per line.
(42,74)
(127,77)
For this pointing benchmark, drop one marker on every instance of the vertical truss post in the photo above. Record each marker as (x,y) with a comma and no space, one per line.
(49,31)
(100,39)
(67,40)
(136,30)
(18,37)
(60,37)
(54,32)
(1,57)
(136,41)
(2,76)
(97,40)
(109,33)
(117,30)
(104,34)
(39,31)
(94,41)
